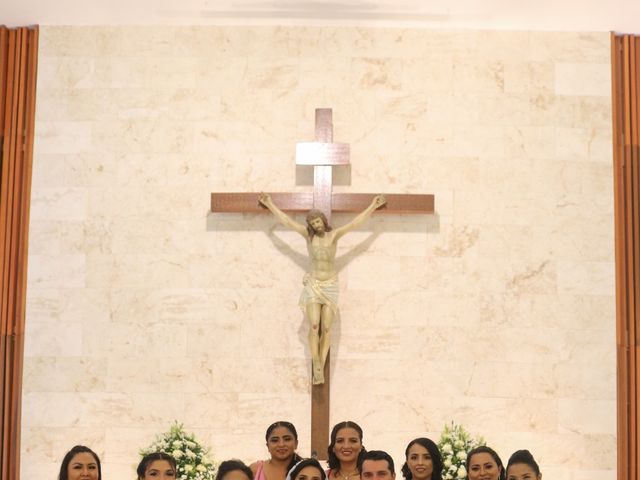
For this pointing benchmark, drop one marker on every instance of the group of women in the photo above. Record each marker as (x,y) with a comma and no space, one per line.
(423,461)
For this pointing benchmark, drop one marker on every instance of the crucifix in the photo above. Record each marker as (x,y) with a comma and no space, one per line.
(323,155)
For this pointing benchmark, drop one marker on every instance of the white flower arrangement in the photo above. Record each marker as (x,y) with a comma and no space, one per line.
(192,459)
(454,444)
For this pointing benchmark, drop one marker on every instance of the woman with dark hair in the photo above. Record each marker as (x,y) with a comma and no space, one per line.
(423,460)
(80,462)
(157,466)
(307,469)
(233,470)
(484,463)
(522,466)
(344,451)
(282,441)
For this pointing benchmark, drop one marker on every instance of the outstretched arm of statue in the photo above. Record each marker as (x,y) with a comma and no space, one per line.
(378,202)
(266,200)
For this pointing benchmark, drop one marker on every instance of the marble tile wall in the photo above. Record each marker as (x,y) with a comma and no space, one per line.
(497,312)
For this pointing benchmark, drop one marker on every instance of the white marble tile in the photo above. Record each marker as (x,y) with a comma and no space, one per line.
(64,137)
(56,237)
(147,374)
(64,374)
(594,278)
(157,71)
(577,382)
(53,339)
(570,46)
(523,75)
(587,417)
(583,79)
(62,71)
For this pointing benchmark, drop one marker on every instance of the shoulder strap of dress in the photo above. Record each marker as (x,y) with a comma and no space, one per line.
(259,471)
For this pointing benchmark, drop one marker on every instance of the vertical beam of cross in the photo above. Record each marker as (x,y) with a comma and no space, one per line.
(323,174)
(323,155)
(322,186)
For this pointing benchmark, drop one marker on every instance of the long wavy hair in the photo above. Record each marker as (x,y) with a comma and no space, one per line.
(436,458)
(334,463)
(317,214)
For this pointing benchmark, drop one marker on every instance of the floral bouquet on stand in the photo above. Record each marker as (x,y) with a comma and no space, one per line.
(192,458)
(454,444)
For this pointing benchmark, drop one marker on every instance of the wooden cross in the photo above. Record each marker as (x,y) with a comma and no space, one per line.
(323,155)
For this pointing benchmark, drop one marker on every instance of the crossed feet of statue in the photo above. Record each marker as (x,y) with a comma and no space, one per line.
(318,375)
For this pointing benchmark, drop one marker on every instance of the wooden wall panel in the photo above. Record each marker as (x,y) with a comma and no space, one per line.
(625,56)
(18,67)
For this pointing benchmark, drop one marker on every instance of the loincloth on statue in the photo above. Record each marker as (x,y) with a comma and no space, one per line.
(324,292)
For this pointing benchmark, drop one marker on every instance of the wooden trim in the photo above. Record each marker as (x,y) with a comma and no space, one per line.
(625,55)
(630,300)
(618,180)
(635,243)
(18,67)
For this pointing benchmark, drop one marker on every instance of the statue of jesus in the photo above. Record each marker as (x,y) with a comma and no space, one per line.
(319,298)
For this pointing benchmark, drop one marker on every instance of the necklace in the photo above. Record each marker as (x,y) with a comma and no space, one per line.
(348,475)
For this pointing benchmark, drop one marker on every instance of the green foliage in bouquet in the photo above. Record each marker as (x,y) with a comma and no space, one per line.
(192,459)
(454,444)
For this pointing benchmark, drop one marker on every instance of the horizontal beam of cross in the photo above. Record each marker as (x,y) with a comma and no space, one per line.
(397,203)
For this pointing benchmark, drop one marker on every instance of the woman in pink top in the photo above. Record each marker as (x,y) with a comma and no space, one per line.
(282,441)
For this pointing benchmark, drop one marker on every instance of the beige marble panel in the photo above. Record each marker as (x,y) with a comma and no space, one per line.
(60,70)
(59,204)
(77,104)
(594,278)
(583,79)
(64,374)
(157,71)
(140,135)
(567,111)
(570,46)
(56,237)
(56,137)
(61,271)
(567,312)
(79,171)
(590,417)
(478,76)
(132,270)
(535,77)
(72,409)
(595,383)
(486,380)
(503,45)
(141,373)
